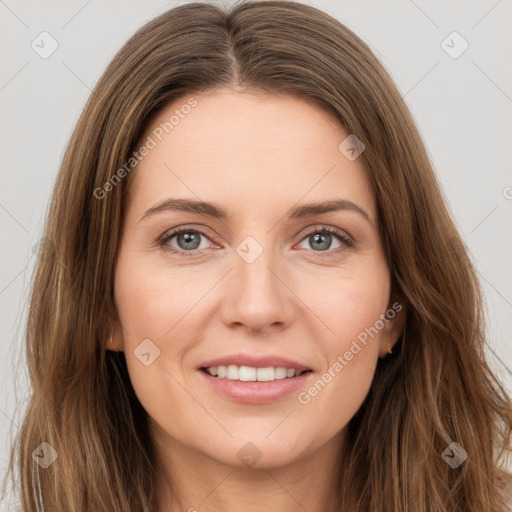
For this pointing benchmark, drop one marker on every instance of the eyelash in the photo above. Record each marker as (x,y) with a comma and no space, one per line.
(341,235)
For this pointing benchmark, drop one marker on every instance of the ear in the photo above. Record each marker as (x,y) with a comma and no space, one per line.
(393,327)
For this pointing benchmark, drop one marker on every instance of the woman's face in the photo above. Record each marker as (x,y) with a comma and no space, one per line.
(248,285)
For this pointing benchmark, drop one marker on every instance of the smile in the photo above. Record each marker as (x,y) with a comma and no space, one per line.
(254,392)
(253,374)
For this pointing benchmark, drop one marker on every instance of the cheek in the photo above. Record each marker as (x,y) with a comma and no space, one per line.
(356,316)
(153,302)
(162,306)
(350,357)
(347,305)
(350,308)
(167,307)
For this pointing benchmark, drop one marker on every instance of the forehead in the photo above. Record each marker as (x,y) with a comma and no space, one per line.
(248,148)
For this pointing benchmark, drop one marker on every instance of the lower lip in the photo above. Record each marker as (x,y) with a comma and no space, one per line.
(256,392)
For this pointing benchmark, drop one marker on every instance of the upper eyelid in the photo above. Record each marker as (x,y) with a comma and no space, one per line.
(176,231)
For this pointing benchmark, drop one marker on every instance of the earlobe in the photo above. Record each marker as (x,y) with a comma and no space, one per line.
(394,328)
(112,343)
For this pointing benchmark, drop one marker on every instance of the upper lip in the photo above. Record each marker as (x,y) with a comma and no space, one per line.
(255,361)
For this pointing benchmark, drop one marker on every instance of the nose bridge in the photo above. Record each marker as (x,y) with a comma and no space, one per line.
(254,268)
(257,297)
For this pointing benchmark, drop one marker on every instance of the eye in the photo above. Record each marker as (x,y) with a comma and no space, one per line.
(321,239)
(186,240)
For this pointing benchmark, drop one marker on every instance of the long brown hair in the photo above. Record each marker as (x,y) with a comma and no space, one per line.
(435,389)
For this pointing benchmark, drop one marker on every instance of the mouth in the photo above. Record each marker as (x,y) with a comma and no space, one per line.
(253,374)
(258,381)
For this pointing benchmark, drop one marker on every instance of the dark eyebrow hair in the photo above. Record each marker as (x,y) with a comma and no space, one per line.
(216,211)
(187,205)
(311,209)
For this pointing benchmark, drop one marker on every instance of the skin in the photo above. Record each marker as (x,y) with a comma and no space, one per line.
(257,156)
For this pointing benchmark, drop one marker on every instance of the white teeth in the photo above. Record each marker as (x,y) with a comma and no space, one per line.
(280,373)
(232,372)
(265,374)
(251,374)
(247,373)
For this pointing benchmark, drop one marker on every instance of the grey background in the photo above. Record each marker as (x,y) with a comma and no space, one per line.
(463,108)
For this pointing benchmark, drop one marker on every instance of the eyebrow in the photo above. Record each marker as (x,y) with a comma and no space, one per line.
(218,212)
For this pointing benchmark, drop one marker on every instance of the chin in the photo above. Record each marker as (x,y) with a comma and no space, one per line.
(258,452)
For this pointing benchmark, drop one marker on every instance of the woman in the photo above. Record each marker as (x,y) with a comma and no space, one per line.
(250,284)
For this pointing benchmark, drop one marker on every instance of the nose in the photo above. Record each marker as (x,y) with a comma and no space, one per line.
(258,295)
